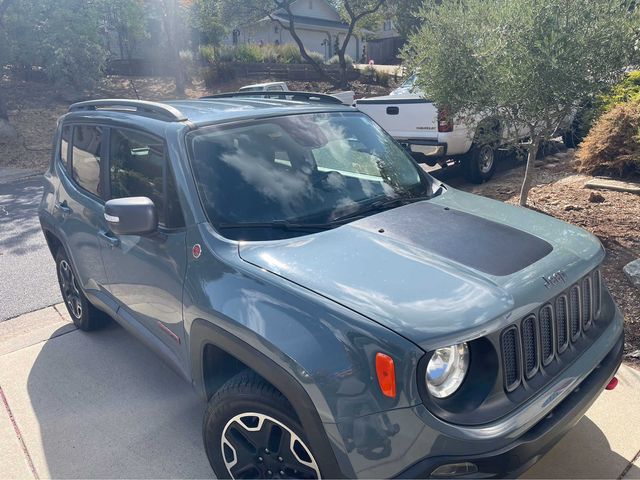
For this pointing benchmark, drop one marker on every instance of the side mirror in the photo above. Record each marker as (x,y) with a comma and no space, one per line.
(131,216)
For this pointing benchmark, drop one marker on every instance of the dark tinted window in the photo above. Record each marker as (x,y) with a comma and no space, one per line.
(64,146)
(137,169)
(87,142)
(298,168)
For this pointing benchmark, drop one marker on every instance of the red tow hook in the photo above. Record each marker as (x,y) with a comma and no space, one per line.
(612,384)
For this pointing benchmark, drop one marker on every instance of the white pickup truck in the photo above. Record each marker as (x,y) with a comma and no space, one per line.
(433,138)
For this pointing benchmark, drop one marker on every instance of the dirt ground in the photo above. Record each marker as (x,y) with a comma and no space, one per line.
(34,108)
(614,217)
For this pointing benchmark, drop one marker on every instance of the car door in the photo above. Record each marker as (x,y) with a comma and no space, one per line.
(79,203)
(145,274)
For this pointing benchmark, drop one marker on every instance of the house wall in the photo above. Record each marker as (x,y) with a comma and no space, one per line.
(315,39)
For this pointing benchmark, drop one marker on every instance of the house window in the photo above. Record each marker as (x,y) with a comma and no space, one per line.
(387,26)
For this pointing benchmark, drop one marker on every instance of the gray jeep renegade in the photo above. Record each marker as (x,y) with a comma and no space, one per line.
(343,313)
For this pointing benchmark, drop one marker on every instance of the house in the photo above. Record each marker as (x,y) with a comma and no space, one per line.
(384,46)
(316,22)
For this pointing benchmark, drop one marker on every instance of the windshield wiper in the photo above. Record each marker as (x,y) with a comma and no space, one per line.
(281,225)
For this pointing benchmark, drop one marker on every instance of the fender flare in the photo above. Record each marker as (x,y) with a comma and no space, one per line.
(203,333)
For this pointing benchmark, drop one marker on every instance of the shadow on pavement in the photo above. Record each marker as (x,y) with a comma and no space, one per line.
(106,407)
(583,453)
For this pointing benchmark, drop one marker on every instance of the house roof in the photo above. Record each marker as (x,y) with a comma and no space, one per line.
(310,21)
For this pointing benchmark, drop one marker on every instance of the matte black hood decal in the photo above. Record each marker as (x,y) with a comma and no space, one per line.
(475,242)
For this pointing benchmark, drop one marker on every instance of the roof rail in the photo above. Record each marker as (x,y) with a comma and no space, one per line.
(141,107)
(284,95)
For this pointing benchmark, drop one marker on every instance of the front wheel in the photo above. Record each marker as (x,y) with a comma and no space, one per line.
(249,432)
(479,165)
(84,315)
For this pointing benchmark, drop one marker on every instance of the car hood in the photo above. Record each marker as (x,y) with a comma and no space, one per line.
(444,270)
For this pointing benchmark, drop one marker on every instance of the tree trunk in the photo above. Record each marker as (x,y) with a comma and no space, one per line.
(530,170)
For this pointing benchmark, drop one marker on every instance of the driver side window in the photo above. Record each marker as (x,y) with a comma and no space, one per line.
(137,168)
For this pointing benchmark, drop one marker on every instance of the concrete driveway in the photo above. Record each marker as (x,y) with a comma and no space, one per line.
(100,405)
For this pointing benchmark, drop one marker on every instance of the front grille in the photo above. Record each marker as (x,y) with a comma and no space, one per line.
(529,350)
(510,357)
(546,334)
(562,328)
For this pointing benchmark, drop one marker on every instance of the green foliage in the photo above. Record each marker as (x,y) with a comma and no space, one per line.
(373,76)
(627,90)
(335,60)
(62,38)
(612,146)
(205,19)
(317,56)
(252,53)
(289,53)
(525,62)
(207,53)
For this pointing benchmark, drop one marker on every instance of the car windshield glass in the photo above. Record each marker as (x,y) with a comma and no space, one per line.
(409,82)
(271,178)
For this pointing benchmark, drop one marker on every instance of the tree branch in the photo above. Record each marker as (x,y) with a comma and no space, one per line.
(286,5)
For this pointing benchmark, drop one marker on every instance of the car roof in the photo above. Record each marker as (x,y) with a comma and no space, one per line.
(210,110)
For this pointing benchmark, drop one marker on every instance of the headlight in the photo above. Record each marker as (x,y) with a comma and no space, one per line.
(446,370)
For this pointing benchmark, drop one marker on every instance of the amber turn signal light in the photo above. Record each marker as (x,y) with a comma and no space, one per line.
(386,372)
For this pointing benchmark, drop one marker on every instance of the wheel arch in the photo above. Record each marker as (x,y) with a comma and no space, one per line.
(212,345)
(53,242)
(491,124)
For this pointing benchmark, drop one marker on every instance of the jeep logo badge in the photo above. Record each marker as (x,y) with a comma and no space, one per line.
(555,279)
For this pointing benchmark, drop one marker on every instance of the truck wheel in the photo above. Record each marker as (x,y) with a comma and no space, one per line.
(84,315)
(249,432)
(480,163)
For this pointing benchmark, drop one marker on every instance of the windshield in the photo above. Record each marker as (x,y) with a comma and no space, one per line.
(409,82)
(309,170)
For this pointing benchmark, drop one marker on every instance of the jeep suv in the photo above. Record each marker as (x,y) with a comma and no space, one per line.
(343,313)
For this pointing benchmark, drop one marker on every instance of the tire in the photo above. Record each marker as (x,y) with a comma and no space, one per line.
(84,315)
(249,431)
(479,165)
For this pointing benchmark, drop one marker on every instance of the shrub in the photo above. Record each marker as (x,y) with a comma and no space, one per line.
(248,53)
(290,53)
(317,56)
(271,54)
(612,146)
(207,53)
(335,60)
(625,91)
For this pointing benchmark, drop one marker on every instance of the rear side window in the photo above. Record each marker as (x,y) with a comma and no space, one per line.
(64,147)
(87,143)
(137,168)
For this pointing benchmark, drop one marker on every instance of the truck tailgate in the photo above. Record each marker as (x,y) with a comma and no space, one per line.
(403,117)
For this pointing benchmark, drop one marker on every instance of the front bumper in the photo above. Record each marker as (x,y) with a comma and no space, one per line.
(526,450)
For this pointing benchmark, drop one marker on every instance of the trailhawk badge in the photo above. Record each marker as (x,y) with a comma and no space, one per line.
(555,279)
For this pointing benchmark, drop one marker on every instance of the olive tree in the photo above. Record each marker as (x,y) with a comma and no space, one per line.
(526,64)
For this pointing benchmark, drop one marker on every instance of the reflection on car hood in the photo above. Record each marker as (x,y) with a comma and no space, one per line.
(435,270)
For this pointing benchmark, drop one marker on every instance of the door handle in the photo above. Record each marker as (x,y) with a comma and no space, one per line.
(63,207)
(112,241)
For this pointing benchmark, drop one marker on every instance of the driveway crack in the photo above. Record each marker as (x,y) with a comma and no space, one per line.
(19,435)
